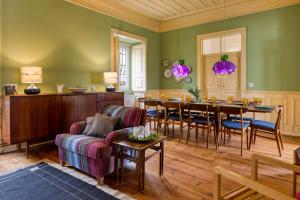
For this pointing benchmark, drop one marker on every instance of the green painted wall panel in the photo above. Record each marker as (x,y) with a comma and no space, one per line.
(273,42)
(71,43)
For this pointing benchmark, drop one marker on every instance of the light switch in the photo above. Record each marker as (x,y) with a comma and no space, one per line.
(251,84)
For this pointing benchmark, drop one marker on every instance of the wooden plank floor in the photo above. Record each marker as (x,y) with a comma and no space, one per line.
(188,172)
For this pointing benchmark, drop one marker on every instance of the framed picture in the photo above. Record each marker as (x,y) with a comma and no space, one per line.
(167,73)
(188,80)
(166,63)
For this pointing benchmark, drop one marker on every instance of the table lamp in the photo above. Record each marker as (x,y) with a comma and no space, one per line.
(31,75)
(110,78)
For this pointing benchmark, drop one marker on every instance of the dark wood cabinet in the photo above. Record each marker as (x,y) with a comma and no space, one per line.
(28,118)
(77,108)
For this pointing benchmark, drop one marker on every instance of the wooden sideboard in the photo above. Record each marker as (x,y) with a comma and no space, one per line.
(28,118)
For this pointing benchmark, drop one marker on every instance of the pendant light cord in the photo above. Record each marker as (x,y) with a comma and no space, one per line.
(224,26)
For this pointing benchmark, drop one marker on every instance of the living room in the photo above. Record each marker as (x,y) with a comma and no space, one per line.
(149,99)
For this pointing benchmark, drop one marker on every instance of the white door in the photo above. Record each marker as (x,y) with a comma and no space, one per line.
(230,85)
(138,72)
(221,88)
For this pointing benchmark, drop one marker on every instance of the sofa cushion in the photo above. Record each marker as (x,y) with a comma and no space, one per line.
(129,117)
(92,147)
(89,124)
(102,125)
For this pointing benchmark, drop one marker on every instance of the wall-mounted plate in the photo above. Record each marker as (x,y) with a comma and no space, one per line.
(176,79)
(166,63)
(167,73)
(188,80)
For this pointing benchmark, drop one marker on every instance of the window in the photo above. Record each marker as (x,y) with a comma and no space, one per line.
(229,43)
(124,69)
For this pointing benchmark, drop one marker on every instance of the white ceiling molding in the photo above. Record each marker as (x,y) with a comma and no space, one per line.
(233,10)
(167,15)
(112,9)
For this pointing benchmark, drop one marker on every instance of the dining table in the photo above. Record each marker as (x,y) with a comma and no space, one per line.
(215,107)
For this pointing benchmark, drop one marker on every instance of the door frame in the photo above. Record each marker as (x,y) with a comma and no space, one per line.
(114,47)
(200,68)
(115,34)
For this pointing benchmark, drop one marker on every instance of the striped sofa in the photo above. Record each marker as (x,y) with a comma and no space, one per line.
(93,155)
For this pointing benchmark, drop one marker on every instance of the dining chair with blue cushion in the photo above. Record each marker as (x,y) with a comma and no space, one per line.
(174,113)
(269,130)
(153,112)
(239,126)
(203,119)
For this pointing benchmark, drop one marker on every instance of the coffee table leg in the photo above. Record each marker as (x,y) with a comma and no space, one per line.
(122,165)
(161,159)
(138,165)
(143,170)
(116,162)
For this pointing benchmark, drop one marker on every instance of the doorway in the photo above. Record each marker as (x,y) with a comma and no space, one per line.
(209,49)
(129,60)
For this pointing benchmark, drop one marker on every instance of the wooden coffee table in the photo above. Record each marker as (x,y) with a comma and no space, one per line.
(140,159)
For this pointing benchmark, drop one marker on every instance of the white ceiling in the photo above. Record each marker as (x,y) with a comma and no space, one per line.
(166,15)
(163,10)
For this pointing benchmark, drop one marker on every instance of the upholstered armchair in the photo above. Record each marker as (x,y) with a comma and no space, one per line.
(93,155)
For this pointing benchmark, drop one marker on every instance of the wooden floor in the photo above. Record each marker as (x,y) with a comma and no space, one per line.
(188,172)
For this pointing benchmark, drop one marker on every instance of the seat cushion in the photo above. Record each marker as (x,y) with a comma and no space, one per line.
(202,120)
(91,147)
(153,113)
(234,124)
(263,124)
(244,118)
(176,117)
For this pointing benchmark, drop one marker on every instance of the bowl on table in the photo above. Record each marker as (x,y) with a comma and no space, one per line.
(78,90)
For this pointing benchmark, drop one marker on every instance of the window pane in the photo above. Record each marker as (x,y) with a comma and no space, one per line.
(211,46)
(232,43)
(124,68)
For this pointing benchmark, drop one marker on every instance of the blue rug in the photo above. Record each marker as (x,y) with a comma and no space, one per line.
(43,181)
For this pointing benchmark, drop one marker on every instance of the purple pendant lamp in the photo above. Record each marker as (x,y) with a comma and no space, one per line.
(180,70)
(223,66)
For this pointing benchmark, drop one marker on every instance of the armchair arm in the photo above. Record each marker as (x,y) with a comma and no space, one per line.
(247,182)
(117,134)
(77,127)
(278,163)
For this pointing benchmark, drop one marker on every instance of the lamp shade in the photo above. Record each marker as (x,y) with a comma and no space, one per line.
(110,77)
(31,75)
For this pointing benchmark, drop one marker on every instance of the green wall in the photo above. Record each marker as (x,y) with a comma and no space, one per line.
(71,43)
(273,48)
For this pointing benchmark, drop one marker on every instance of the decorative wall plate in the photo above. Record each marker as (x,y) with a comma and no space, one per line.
(177,79)
(166,63)
(175,62)
(188,80)
(167,73)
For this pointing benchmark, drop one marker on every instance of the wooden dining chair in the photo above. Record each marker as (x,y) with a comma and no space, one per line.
(141,102)
(174,115)
(270,130)
(203,119)
(238,126)
(153,112)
